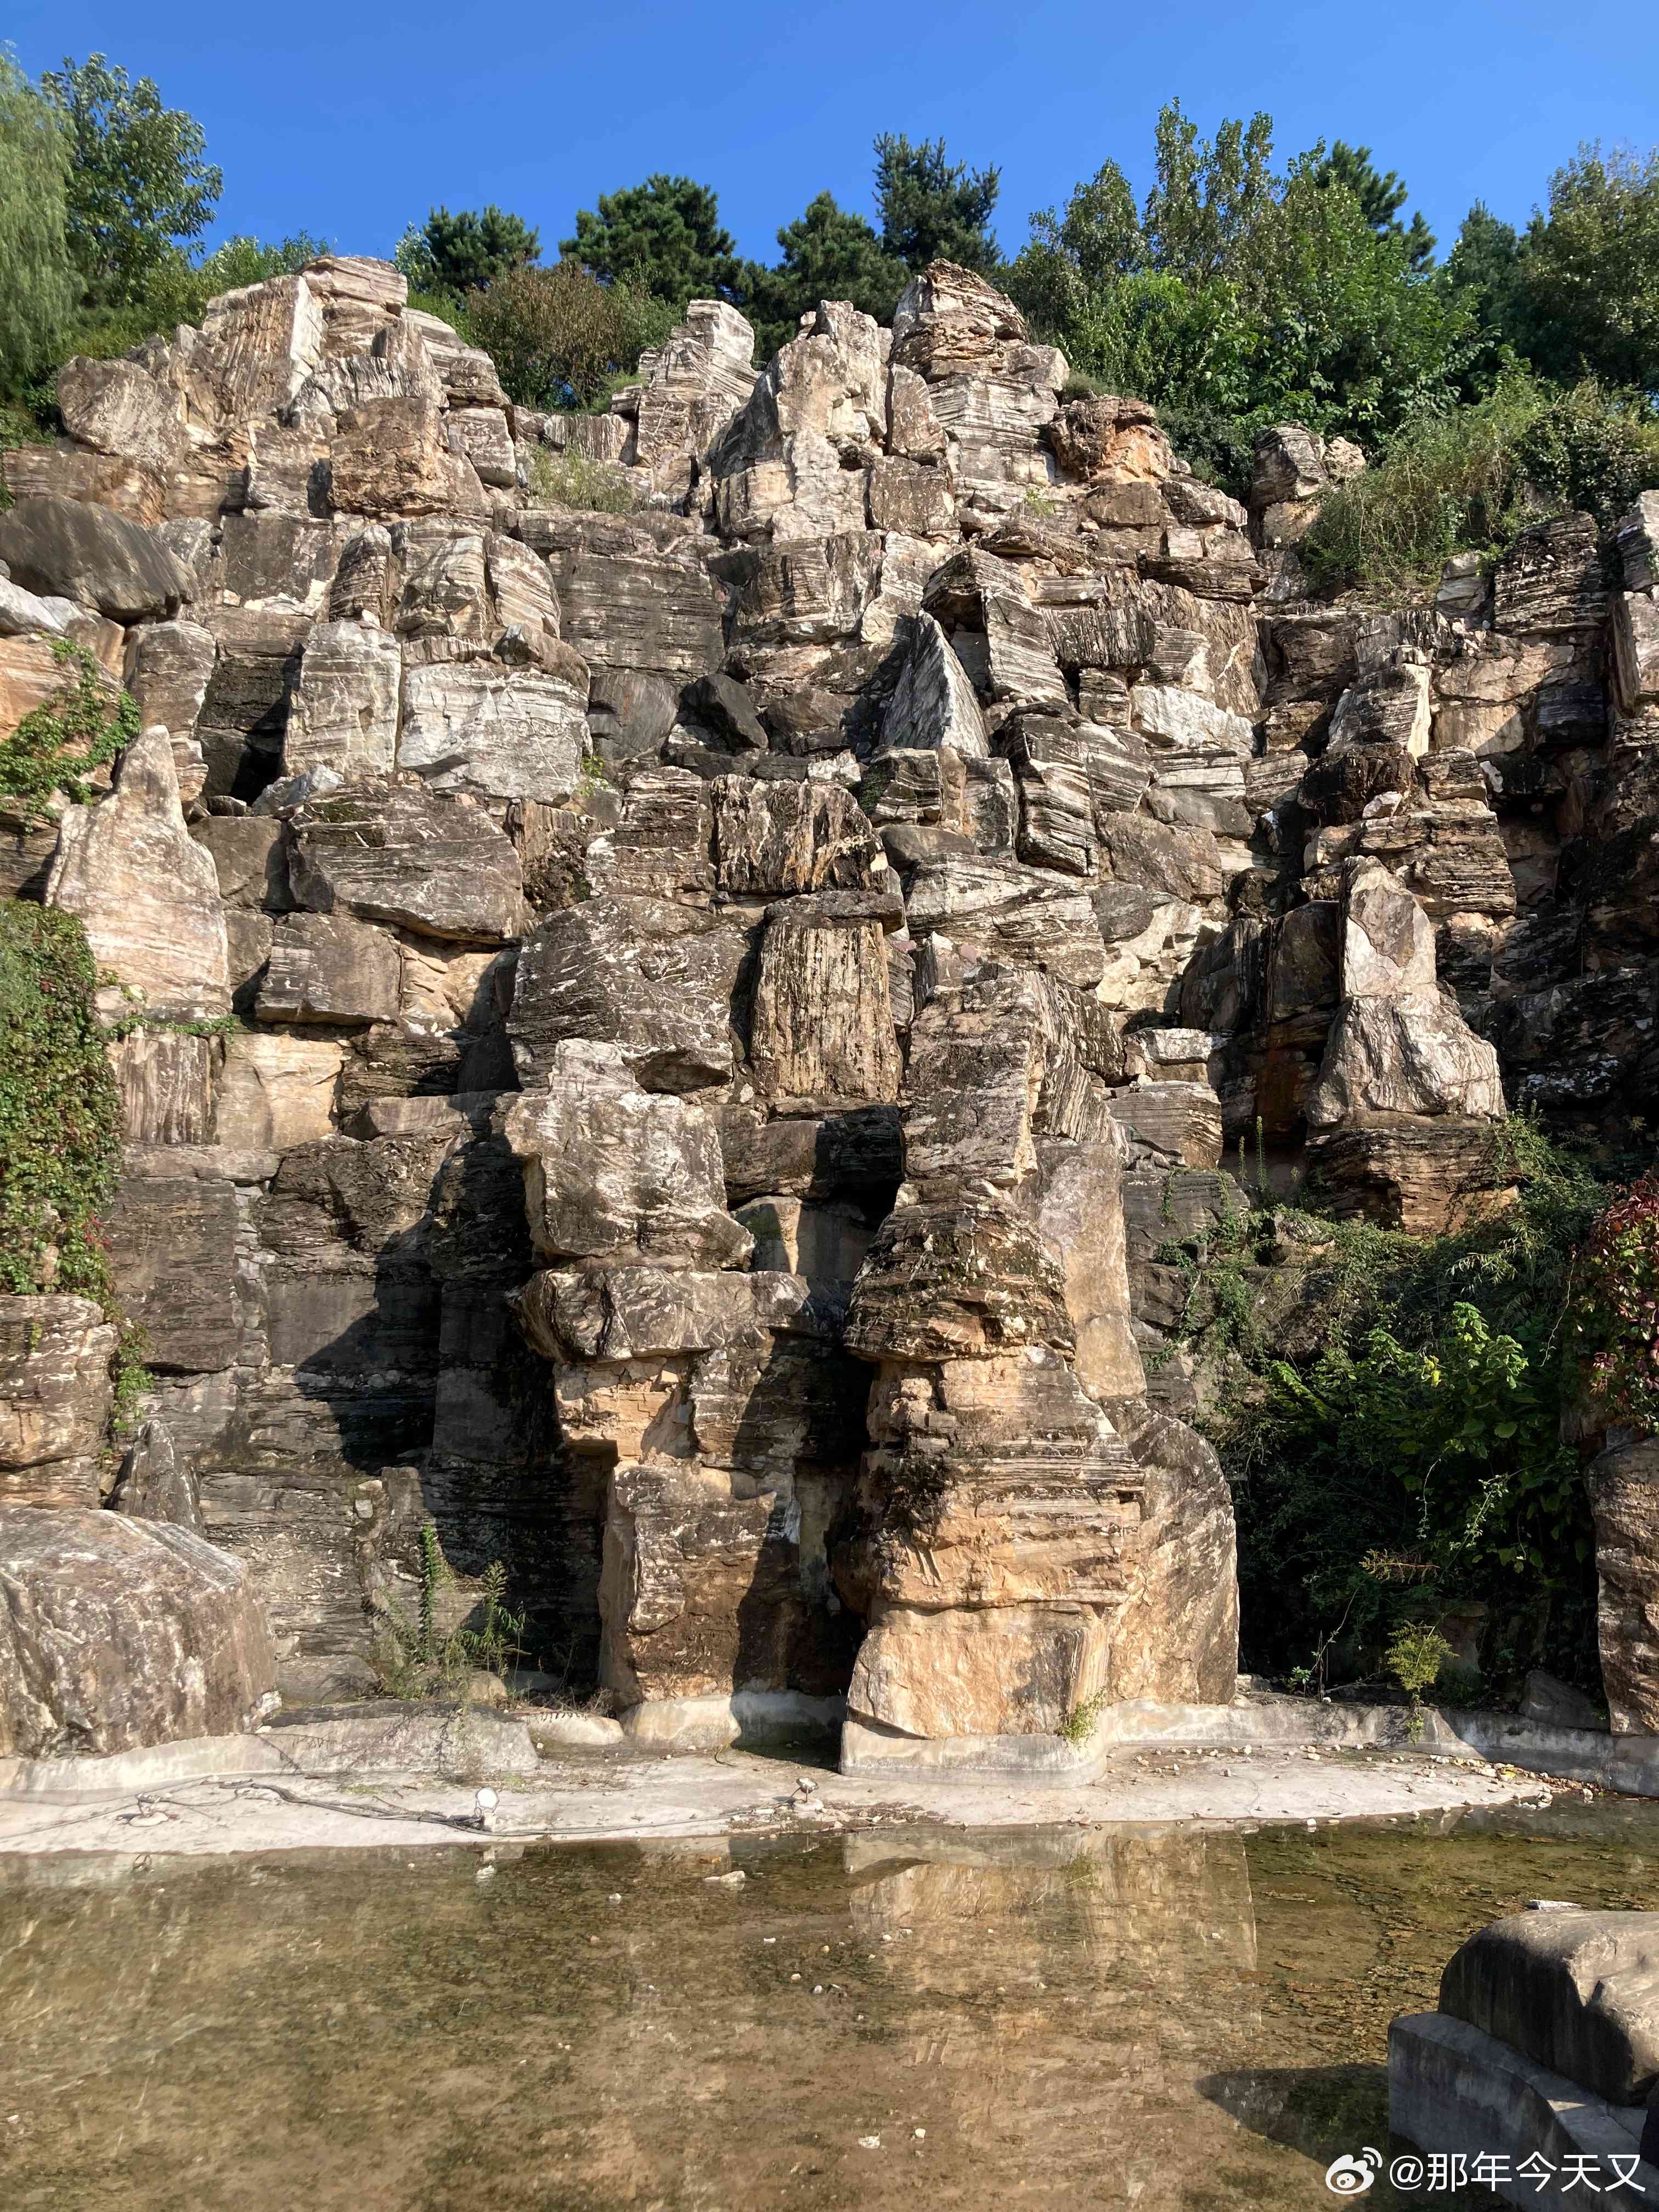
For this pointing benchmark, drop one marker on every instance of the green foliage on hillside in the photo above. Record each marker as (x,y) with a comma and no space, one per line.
(1394,1438)
(1471,479)
(664,236)
(60,742)
(932,208)
(455,254)
(138,188)
(827,254)
(1241,292)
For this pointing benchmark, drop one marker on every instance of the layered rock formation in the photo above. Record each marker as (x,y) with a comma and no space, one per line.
(717,993)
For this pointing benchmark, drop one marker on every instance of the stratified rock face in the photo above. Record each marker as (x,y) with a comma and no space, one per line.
(700,976)
(1574,1990)
(612,1170)
(55,1390)
(1624,1488)
(116,1632)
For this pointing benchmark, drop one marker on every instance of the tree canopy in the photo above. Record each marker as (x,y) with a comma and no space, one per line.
(664,236)
(1238,290)
(932,208)
(465,252)
(827,254)
(137,190)
(38,285)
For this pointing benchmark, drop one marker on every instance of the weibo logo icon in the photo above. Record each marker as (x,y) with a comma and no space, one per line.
(1350,2175)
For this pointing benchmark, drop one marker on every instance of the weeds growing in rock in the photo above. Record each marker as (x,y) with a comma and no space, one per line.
(416,1658)
(570,480)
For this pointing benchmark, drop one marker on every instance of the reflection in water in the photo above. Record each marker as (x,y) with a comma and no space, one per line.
(1059,2018)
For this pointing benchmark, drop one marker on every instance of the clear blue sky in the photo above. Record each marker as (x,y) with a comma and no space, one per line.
(349,122)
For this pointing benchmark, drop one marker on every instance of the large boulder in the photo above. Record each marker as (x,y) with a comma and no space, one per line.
(611,1170)
(71,550)
(146,893)
(117,1632)
(1576,1990)
(429,861)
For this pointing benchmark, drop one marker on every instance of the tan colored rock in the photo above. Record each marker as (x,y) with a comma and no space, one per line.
(390,459)
(613,1171)
(147,895)
(1624,1488)
(1409,1052)
(505,733)
(328,968)
(821,1028)
(116,1633)
(55,1394)
(277,1090)
(343,712)
(166,1079)
(118,407)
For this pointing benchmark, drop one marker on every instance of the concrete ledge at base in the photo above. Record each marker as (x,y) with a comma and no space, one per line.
(1627,1764)
(1454,2088)
(461,1743)
(153,1768)
(744,1720)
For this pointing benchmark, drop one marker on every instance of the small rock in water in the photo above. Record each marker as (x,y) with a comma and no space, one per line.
(735,1879)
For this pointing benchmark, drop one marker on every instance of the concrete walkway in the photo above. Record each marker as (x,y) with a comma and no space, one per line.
(309,1787)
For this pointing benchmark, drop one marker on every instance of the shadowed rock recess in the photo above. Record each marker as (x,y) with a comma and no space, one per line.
(667,1036)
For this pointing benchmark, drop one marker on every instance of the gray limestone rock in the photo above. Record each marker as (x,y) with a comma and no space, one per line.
(117,1632)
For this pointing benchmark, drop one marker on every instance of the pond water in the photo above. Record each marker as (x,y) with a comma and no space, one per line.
(1038,2018)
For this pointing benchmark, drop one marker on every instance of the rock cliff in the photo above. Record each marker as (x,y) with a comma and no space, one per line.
(716,991)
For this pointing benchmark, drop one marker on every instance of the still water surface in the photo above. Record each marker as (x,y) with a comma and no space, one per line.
(905,2018)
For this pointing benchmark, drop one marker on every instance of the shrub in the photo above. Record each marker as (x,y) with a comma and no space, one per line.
(1470,480)
(558,337)
(1391,1433)
(570,480)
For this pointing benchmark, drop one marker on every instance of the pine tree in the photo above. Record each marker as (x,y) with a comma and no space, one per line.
(931,209)
(466,252)
(664,236)
(827,254)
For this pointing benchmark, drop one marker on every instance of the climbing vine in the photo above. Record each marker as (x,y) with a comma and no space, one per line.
(68,738)
(60,1125)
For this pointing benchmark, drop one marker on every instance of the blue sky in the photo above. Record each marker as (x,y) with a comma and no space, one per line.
(350,123)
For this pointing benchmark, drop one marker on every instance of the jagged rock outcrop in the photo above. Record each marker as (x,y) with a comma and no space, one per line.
(725,1000)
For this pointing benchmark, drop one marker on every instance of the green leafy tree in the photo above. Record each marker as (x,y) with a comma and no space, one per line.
(932,208)
(1236,293)
(560,339)
(39,288)
(465,252)
(138,190)
(1211,199)
(664,236)
(1589,271)
(1380,196)
(827,254)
